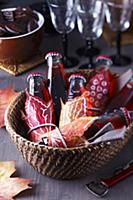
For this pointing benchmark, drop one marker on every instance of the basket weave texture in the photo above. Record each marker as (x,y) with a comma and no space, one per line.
(58,162)
(61,163)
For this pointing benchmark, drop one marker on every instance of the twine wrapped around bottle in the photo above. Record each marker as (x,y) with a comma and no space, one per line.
(61,163)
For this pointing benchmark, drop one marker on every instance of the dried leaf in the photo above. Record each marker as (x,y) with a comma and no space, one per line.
(55,139)
(69,135)
(6,96)
(10,187)
(7,169)
(2,198)
(77,127)
(74,109)
(77,142)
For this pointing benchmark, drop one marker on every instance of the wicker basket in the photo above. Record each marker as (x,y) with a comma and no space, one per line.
(59,163)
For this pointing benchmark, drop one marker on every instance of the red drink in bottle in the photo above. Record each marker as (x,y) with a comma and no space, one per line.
(56,81)
(122,99)
(76,86)
(38,107)
(37,86)
(118,118)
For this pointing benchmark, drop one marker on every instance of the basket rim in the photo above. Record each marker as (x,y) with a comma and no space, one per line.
(11,131)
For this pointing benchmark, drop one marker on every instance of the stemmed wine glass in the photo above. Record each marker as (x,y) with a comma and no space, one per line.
(63,16)
(90,20)
(118,15)
(81,51)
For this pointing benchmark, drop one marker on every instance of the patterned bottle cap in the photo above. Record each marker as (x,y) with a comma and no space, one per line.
(73,76)
(35,75)
(103,60)
(53,54)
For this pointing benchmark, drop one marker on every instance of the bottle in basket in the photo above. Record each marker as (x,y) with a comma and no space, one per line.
(38,107)
(56,81)
(103,61)
(101,86)
(118,118)
(76,86)
(37,87)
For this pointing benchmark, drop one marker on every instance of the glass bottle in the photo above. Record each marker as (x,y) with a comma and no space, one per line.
(122,99)
(37,86)
(103,61)
(38,108)
(56,81)
(118,118)
(76,86)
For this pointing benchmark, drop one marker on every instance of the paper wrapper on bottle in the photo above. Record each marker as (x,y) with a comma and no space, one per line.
(100,88)
(38,113)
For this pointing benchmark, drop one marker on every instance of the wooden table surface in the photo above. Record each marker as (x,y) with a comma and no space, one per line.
(46,188)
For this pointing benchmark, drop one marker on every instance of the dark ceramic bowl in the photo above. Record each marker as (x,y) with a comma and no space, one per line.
(14,50)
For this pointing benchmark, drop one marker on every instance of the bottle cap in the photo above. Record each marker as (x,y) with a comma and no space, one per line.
(73,76)
(35,75)
(104,60)
(53,54)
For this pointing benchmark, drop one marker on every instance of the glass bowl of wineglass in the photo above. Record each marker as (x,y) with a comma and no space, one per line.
(90,20)
(118,15)
(63,16)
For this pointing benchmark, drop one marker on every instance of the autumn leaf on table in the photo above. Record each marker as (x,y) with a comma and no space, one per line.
(6,96)
(10,187)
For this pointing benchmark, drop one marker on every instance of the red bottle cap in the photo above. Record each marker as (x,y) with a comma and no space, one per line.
(73,76)
(36,74)
(104,60)
(53,54)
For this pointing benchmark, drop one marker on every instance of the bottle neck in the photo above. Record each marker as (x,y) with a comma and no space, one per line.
(76,88)
(38,88)
(57,62)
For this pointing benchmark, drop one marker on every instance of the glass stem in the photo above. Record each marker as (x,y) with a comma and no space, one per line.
(89,46)
(64,42)
(118,44)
